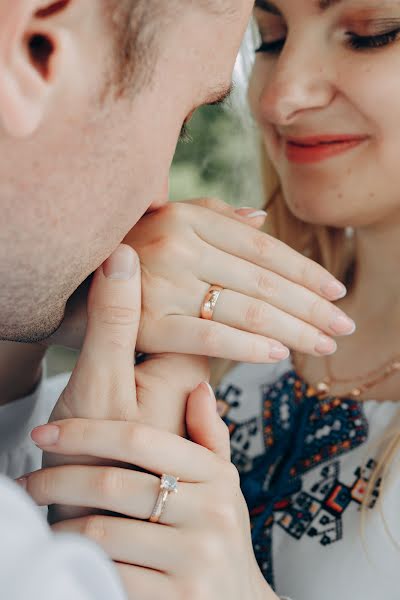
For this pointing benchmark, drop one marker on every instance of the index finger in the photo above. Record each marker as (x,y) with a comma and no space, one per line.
(151,449)
(266,251)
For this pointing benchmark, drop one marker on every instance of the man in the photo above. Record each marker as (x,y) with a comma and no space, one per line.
(93,95)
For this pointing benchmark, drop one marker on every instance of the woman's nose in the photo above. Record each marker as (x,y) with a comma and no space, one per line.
(299,81)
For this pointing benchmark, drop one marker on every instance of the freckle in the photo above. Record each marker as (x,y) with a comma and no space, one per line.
(340,196)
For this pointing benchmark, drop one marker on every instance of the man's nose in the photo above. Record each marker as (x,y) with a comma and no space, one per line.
(298,82)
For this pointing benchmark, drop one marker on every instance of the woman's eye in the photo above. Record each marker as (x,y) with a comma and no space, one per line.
(274,47)
(359,42)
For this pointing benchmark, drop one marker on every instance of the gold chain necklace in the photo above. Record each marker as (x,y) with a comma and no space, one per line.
(367,380)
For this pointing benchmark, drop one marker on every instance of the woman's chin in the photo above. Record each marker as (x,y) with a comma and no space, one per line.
(317,213)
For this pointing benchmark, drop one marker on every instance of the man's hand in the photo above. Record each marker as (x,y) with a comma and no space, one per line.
(105,383)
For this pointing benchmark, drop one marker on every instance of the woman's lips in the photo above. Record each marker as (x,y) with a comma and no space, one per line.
(318,148)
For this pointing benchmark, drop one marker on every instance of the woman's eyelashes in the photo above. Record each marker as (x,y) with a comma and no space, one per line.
(359,42)
(353,41)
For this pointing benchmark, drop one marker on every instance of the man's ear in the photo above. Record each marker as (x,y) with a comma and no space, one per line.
(33,48)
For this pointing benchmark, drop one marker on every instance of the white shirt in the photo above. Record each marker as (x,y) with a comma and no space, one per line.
(35,564)
(305,466)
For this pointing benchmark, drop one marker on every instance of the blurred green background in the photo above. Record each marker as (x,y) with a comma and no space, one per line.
(217,159)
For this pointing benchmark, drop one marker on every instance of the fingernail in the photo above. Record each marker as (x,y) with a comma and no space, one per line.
(22,482)
(333,289)
(279,351)
(210,391)
(46,435)
(250,213)
(122,264)
(343,325)
(325,345)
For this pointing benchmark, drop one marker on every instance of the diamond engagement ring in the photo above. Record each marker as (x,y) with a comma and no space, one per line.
(168,485)
(210,302)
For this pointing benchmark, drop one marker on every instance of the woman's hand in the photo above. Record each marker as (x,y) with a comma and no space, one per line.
(273,298)
(272,294)
(201,548)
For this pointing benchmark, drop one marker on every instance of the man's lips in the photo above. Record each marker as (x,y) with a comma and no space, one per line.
(314,149)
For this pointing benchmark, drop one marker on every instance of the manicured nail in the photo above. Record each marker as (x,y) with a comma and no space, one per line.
(278,351)
(45,435)
(209,389)
(343,325)
(250,212)
(333,289)
(22,482)
(325,345)
(122,264)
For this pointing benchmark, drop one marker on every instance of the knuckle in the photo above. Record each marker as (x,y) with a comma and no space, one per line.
(206,548)
(222,515)
(170,216)
(167,248)
(265,285)
(175,210)
(256,316)
(134,438)
(93,527)
(262,244)
(110,482)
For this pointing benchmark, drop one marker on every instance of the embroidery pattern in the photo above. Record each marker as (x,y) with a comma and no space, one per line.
(301,431)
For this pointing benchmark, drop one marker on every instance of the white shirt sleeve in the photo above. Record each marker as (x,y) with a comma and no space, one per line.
(18,454)
(35,564)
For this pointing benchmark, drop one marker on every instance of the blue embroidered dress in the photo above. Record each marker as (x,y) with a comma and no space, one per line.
(305,465)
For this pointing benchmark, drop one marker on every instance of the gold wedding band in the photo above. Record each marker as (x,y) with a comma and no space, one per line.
(210,302)
(168,485)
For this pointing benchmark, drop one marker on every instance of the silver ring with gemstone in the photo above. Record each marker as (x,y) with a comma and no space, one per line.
(168,485)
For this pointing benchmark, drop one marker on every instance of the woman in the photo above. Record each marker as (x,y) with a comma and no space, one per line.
(307,435)
(314,438)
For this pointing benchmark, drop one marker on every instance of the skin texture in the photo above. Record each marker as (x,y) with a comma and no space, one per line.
(79,164)
(317,84)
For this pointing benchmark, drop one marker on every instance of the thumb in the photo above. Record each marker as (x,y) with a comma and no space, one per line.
(253,217)
(204,425)
(103,383)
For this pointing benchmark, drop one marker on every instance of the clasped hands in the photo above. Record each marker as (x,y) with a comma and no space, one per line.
(113,416)
(201,548)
